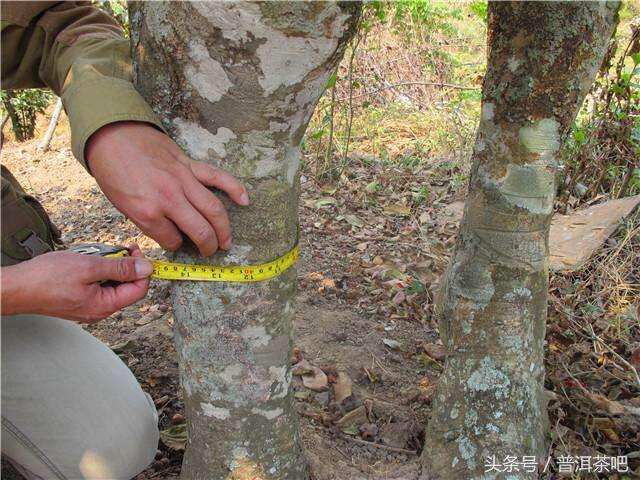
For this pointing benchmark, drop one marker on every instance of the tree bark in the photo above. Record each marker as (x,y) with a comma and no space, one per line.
(235,85)
(543,57)
(53,123)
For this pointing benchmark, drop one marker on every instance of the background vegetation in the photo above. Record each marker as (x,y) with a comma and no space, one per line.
(408,94)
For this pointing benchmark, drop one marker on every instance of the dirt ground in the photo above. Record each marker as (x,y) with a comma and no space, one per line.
(372,253)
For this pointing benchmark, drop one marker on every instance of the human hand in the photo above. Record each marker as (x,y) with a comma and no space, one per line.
(149,179)
(67,285)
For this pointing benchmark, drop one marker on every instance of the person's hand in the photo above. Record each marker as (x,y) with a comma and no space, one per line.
(149,179)
(67,285)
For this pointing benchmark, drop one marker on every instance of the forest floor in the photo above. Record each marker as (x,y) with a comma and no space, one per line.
(373,249)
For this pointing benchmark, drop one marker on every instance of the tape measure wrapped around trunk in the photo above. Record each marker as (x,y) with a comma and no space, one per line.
(202,273)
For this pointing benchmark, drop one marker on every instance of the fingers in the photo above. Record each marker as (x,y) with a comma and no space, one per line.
(195,226)
(214,177)
(108,300)
(126,269)
(124,294)
(163,231)
(213,211)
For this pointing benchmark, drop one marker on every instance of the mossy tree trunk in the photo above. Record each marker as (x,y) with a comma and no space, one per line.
(235,84)
(543,58)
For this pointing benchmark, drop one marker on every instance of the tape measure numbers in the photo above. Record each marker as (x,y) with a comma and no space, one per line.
(201,273)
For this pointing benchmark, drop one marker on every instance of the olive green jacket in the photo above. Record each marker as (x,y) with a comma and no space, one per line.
(79,52)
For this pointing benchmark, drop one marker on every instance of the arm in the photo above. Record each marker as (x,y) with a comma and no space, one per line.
(34,286)
(79,52)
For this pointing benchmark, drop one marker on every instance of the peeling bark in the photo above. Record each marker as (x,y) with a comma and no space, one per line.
(235,85)
(543,57)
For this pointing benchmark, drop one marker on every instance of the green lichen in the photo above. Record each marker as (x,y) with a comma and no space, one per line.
(488,378)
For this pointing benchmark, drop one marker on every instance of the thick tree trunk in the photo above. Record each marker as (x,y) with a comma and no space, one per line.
(543,57)
(235,85)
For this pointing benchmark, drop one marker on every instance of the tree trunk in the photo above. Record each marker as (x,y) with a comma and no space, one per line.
(16,124)
(235,85)
(53,123)
(543,57)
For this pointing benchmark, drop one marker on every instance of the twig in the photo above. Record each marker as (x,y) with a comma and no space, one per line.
(381,446)
(350,121)
(404,84)
(329,153)
(615,354)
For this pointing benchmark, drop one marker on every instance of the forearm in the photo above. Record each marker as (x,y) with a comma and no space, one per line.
(15,295)
(79,52)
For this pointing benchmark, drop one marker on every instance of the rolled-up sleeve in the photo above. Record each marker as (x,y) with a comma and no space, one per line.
(79,52)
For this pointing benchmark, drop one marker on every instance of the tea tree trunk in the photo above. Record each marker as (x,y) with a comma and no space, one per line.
(543,57)
(235,85)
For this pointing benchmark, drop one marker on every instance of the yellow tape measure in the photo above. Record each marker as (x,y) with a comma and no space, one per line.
(202,273)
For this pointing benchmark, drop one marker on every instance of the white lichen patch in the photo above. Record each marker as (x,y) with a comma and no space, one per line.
(284,60)
(206,75)
(467,451)
(280,379)
(518,293)
(215,412)
(513,63)
(492,428)
(198,141)
(542,138)
(488,111)
(530,187)
(256,336)
(238,254)
(239,453)
(489,378)
(471,418)
(268,414)
(229,374)
(278,126)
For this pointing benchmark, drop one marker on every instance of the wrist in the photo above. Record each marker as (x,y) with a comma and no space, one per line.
(102,141)
(14,292)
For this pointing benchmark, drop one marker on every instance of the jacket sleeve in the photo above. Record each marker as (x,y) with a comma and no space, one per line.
(79,52)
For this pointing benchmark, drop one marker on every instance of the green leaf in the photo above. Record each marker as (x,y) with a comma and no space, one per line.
(325,201)
(332,80)
(579,136)
(175,437)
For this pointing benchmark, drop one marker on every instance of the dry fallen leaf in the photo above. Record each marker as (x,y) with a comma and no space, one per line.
(315,276)
(397,209)
(325,284)
(435,351)
(175,437)
(316,380)
(610,406)
(342,388)
(303,367)
(392,344)
(312,377)
(357,416)
(635,358)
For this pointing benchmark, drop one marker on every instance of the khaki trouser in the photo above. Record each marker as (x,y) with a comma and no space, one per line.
(70,408)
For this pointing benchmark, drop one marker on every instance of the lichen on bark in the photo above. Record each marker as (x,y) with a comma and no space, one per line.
(543,57)
(235,84)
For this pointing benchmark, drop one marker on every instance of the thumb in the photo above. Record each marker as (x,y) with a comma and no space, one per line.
(125,269)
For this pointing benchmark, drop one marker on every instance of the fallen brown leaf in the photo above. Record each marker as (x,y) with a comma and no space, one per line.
(342,388)
(435,351)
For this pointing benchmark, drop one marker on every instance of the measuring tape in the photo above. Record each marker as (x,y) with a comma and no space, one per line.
(201,273)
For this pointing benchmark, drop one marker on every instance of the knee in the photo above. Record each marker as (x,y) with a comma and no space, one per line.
(122,457)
